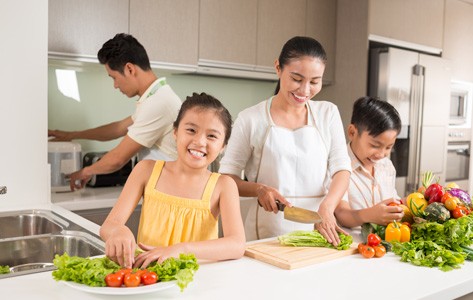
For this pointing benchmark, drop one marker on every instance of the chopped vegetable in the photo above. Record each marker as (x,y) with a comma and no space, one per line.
(4,269)
(313,238)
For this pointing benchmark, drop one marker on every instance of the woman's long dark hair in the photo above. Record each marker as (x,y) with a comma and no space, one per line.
(298,47)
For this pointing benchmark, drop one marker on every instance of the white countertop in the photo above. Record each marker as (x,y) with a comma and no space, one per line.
(87,198)
(348,277)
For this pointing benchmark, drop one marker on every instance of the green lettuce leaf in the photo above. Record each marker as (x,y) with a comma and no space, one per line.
(313,238)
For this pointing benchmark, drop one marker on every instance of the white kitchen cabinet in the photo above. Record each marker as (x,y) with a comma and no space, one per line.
(414,21)
(458,38)
(81,27)
(168,29)
(228,31)
(278,21)
(321,24)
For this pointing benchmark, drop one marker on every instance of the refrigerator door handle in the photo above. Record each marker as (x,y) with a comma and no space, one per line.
(416,109)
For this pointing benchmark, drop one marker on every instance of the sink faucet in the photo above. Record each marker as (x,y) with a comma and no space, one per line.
(3,190)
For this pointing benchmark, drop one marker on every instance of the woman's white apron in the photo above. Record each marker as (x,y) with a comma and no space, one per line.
(295,163)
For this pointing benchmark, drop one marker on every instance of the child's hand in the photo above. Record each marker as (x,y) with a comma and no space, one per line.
(120,247)
(159,254)
(386,211)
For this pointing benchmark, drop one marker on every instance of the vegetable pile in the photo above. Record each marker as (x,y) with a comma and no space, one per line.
(442,227)
(313,238)
(93,271)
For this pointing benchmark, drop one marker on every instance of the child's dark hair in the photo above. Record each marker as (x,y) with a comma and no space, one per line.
(205,101)
(123,49)
(375,116)
(298,47)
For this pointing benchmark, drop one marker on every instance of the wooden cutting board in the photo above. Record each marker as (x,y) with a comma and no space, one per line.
(289,257)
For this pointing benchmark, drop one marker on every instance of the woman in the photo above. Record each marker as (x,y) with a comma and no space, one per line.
(291,149)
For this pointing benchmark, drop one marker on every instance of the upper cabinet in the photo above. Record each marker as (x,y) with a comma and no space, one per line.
(81,27)
(168,29)
(458,38)
(414,21)
(241,38)
(228,31)
(278,21)
(321,24)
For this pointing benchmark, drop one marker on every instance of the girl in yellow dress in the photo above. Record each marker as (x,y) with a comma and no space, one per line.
(182,199)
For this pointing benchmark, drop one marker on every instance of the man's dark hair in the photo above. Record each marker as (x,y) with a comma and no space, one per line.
(123,49)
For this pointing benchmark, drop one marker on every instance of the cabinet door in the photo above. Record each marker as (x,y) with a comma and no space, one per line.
(458,38)
(414,21)
(168,29)
(321,24)
(228,31)
(81,27)
(278,21)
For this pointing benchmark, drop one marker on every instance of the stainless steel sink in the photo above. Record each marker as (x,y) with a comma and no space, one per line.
(29,240)
(28,223)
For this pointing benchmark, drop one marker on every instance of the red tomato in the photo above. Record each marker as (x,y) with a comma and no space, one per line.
(360,247)
(459,212)
(379,251)
(368,252)
(373,239)
(445,197)
(149,277)
(132,279)
(114,280)
(123,271)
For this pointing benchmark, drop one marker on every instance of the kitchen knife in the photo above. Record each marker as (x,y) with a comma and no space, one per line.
(300,215)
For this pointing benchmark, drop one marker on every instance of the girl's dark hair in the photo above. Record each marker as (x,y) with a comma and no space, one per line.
(205,101)
(298,47)
(375,116)
(123,49)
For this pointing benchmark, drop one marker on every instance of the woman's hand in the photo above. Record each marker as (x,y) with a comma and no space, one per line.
(267,197)
(159,254)
(120,247)
(329,227)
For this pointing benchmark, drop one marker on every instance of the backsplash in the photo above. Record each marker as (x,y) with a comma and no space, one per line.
(100,103)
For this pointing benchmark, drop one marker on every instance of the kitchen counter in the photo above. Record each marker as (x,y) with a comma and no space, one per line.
(87,198)
(348,277)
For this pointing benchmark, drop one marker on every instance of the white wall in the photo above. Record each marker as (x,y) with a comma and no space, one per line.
(23,102)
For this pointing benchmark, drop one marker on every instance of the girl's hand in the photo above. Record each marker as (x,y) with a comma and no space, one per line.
(120,247)
(329,227)
(158,254)
(267,197)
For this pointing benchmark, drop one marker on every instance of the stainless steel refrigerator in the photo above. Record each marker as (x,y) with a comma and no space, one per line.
(418,86)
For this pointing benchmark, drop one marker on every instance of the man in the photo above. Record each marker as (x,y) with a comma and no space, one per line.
(148,131)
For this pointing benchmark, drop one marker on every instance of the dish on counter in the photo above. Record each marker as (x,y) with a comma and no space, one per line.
(143,289)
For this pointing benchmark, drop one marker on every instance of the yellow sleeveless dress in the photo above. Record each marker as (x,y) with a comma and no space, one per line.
(167,220)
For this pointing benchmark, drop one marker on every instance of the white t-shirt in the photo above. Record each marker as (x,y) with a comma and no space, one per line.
(243,151)
(156,110)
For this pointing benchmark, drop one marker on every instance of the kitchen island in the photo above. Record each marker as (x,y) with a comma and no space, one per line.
(350,277)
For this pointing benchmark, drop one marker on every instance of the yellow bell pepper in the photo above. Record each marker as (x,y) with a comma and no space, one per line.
(393,232)
(405,233)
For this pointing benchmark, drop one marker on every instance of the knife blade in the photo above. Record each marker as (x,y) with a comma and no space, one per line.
(300,215)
